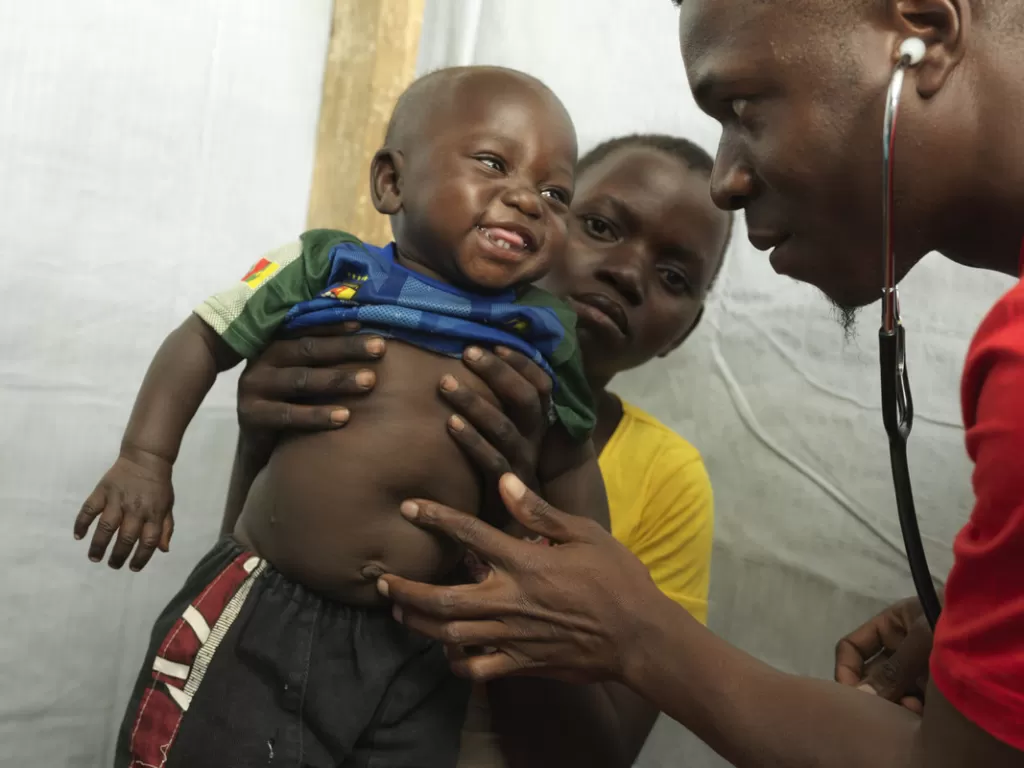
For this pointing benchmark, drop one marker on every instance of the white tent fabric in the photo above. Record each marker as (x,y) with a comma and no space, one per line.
(784,412)
(150,151)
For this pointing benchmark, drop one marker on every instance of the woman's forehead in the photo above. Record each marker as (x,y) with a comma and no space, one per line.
(640,175)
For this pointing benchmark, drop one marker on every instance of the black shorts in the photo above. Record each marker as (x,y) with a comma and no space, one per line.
(246,668)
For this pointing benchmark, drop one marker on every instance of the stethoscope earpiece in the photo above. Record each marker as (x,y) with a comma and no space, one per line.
(913,49)
(897,404)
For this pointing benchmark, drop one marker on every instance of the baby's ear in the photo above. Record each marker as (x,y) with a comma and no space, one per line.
(386,181)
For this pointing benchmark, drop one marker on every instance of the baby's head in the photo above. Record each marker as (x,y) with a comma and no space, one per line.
(476,174)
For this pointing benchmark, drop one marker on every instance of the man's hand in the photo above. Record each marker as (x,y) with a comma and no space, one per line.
(133,500)
(888,655)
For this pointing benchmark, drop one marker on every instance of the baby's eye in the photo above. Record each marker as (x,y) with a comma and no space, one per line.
(492,162)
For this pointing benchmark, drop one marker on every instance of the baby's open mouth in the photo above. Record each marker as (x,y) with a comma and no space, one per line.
(507,239)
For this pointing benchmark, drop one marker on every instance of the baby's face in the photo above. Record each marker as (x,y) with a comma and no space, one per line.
(486,193)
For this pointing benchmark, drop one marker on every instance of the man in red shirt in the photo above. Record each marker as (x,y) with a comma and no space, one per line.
(799,89)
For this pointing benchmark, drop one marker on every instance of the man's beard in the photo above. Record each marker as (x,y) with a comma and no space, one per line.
(847,319)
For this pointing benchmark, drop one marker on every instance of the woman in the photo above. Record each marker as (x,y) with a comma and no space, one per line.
(799,89)
(646,246)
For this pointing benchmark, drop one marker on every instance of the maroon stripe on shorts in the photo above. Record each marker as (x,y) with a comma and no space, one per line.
(183,657)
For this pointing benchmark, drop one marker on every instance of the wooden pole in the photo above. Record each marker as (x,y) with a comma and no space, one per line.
(371,59)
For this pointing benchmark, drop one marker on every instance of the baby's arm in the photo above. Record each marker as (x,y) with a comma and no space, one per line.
(570,477)
(134,498)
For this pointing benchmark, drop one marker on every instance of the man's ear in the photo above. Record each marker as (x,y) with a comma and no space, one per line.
(943,25)
(386,181)
(684,335)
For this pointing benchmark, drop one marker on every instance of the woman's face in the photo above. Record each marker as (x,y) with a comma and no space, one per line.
(645,242)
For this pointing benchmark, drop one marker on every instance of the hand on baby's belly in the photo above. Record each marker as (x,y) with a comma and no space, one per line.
(325,511)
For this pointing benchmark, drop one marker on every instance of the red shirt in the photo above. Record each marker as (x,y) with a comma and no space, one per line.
(978,657)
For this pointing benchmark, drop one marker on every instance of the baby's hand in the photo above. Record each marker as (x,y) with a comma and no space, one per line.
(134,500)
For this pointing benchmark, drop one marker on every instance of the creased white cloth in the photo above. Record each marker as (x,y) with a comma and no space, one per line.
(149,153)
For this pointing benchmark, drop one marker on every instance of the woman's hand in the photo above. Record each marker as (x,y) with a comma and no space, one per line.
(503,440)
(888,655)
(274,386)
(572,611)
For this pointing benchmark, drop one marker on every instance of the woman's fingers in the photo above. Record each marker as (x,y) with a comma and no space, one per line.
(490,460)
(526,368)
(277,416)
(539,516)
(525,402)
(314,350)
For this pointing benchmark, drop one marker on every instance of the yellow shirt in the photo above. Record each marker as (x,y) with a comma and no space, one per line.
(661,506)
(662,510)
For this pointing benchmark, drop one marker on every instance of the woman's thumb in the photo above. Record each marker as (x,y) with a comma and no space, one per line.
(533,512)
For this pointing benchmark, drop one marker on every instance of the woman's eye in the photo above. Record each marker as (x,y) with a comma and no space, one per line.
(739,107)
(674,279)
(494,163)
(558,195)
(598,228)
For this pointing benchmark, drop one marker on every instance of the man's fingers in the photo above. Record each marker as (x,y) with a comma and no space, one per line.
(489,543)
(540,517)
(865,643)
(486,667)
(445,603)
(913,703)
(896,676)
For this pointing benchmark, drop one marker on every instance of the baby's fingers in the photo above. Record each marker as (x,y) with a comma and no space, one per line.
(106,526)
(95,504)
(166,532)
(148,542)
(131,527)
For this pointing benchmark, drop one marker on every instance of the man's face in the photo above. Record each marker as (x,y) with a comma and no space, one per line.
(800,97)
(644,245)
(486,193)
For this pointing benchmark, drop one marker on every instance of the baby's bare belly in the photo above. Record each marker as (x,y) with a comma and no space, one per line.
(325,510)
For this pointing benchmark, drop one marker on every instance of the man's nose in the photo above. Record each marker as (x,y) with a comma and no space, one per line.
(732,182)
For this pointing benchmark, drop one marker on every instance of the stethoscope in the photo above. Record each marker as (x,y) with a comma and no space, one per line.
(897,404)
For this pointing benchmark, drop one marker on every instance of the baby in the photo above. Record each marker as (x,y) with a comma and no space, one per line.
(278,651)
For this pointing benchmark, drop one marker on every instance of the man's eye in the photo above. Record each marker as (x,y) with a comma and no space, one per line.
(739,107)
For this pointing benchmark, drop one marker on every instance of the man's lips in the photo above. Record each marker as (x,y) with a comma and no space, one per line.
(602,310)
(765,240)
